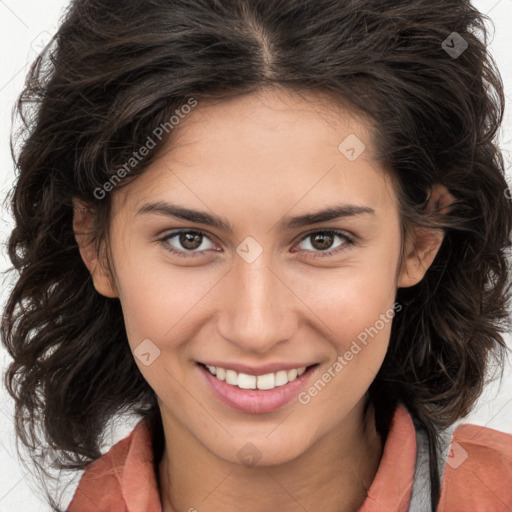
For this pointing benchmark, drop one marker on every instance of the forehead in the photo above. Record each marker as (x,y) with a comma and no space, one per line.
(272,146)
(271,112)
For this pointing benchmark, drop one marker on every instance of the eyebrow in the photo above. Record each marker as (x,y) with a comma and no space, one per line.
(331,213)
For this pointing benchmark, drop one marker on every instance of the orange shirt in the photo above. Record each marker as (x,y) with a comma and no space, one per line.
(477,477)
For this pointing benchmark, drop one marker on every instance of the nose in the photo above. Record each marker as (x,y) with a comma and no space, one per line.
(258,309)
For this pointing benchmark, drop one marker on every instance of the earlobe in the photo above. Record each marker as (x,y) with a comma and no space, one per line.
(83,221)
(422,250)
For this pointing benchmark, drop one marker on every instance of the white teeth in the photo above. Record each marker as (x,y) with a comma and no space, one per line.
(232,377)
(263,382)
(246,381)
(281,378)
(266,381)
(292,374)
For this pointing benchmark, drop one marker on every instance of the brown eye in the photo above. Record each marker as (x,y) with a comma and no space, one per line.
(321,242)
(190,240)
(185,243)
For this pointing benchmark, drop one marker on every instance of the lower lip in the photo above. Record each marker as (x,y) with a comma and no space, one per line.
(254,400)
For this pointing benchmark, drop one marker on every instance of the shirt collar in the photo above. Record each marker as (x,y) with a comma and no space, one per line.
(391,488)
(131,463)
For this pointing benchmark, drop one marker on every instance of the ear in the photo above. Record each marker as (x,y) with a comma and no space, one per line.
(422,247)
(83,222)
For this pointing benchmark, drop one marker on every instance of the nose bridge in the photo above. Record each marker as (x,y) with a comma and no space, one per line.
(257,312)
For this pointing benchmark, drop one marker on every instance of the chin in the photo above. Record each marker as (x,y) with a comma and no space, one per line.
(251,452)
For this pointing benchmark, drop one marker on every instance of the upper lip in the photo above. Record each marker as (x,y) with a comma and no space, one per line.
(257,370)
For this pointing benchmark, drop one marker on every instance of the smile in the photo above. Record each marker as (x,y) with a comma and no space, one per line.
(264,382)
(264,392)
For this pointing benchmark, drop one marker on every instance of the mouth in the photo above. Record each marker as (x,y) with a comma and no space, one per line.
(263,392)
(264,382)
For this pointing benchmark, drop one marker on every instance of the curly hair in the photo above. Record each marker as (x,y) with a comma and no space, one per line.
(116,70)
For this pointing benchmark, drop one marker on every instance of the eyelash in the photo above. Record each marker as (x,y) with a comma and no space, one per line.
(349,241)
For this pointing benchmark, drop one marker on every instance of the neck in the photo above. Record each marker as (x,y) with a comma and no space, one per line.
(333,475)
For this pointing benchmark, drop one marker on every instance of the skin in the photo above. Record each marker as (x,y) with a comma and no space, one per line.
(254,160)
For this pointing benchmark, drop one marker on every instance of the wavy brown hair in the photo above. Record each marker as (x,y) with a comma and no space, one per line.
(116,70)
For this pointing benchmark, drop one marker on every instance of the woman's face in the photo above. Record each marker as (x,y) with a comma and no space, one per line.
(260,284)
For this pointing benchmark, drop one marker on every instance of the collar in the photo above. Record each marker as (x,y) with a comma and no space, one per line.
(124,478)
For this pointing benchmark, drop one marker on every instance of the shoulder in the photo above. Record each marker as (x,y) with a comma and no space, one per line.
(123,479)
(478,471)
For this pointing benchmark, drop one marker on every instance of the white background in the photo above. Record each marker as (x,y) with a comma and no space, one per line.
(24,29)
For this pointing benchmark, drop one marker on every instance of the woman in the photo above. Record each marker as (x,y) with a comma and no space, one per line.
(275,231)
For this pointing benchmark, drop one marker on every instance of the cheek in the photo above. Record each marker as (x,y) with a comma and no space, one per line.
(359,318)
(364,311)
(157,299)
(360,327)
(353,298)
(355,306)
